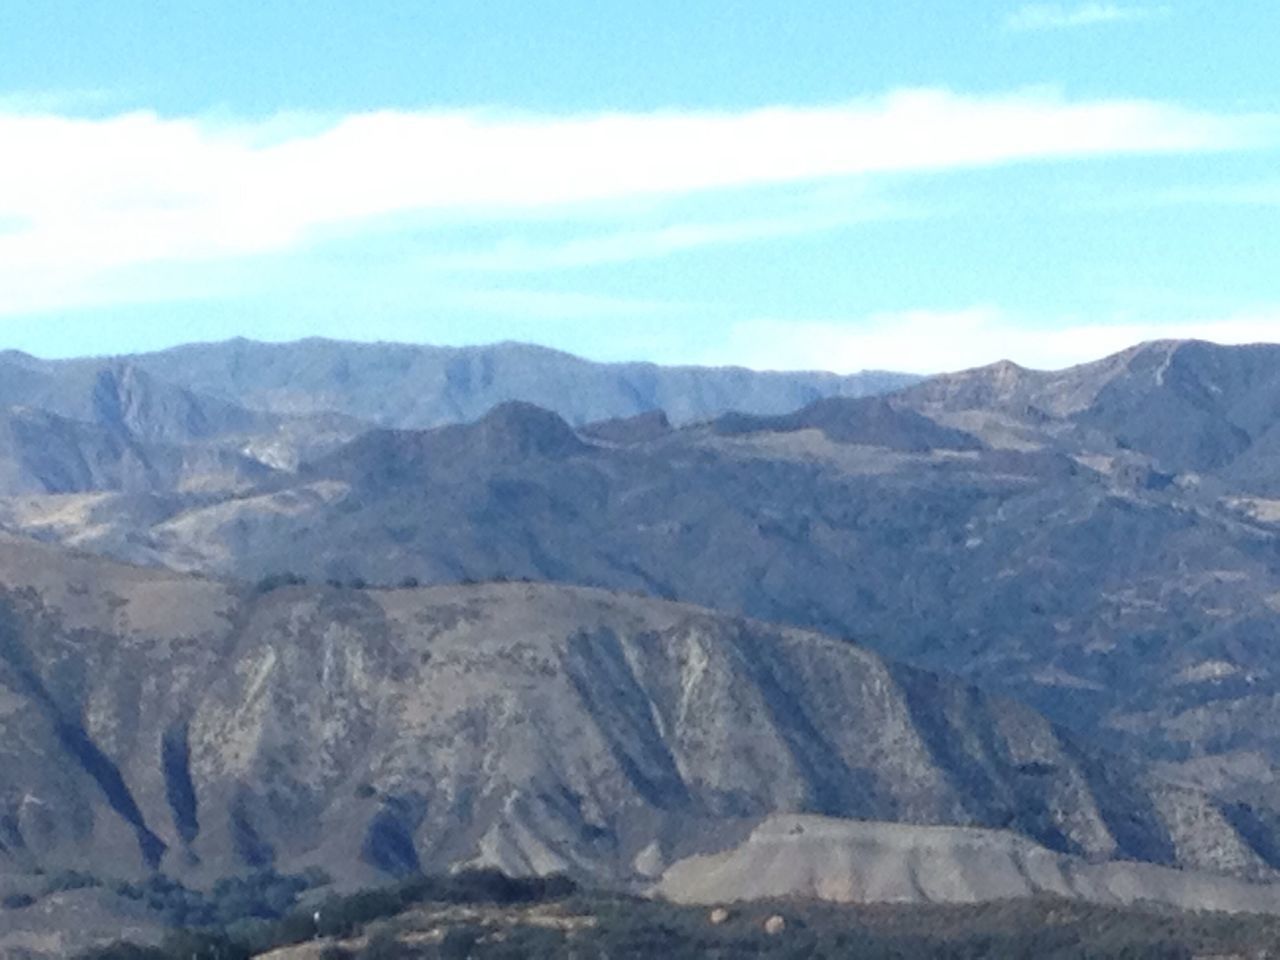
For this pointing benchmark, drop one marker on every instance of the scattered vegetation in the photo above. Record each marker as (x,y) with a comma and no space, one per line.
(488,916)
(243,917)
(265,896)
(275,581)
(70,880)
(17,901)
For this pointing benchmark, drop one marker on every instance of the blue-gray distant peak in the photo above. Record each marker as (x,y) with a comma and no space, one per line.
(415,386)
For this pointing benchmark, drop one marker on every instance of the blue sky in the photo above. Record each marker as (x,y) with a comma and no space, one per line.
(907,184)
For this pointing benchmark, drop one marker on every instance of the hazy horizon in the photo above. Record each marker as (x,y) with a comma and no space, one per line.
(540,346)
(894,186)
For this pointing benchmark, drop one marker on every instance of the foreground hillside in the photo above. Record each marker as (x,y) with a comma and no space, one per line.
(158,722)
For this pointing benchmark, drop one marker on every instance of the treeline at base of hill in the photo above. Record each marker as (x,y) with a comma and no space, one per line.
(485,914)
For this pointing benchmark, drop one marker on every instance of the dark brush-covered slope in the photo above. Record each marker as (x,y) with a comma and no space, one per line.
(1192,407)
(871,422)
(508,435)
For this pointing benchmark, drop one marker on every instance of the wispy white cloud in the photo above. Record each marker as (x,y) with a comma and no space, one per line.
(1056,16)
(929,341)
(558,305)
(86,198)
(653,242)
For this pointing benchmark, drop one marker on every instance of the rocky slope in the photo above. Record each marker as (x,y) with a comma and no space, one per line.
(1100,542)
(1188,409)
(1009,526)
(154,721)
(122,399)
(111,427)
(846,861)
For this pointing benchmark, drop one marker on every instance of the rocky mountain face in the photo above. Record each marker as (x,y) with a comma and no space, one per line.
(1101,544)
(1189,409)
(1085,541)
(41,452)
(111,427)
(122,398)
(150,720)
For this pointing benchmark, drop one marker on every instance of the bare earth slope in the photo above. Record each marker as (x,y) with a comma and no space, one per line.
(846,861)
(153,721)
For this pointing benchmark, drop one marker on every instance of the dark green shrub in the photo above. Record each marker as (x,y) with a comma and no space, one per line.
(458,943)
(385,945)
(70,880)
(274,581)
(123,951)
(342,917)
(494,886)
(203,946)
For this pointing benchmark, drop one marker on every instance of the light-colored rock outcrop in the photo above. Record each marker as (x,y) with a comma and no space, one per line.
(848,861)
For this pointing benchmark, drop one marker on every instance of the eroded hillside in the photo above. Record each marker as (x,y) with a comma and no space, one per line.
(153,721)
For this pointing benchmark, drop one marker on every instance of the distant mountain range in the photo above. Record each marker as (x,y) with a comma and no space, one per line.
(1101,544)
(409,386)
(219,415)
